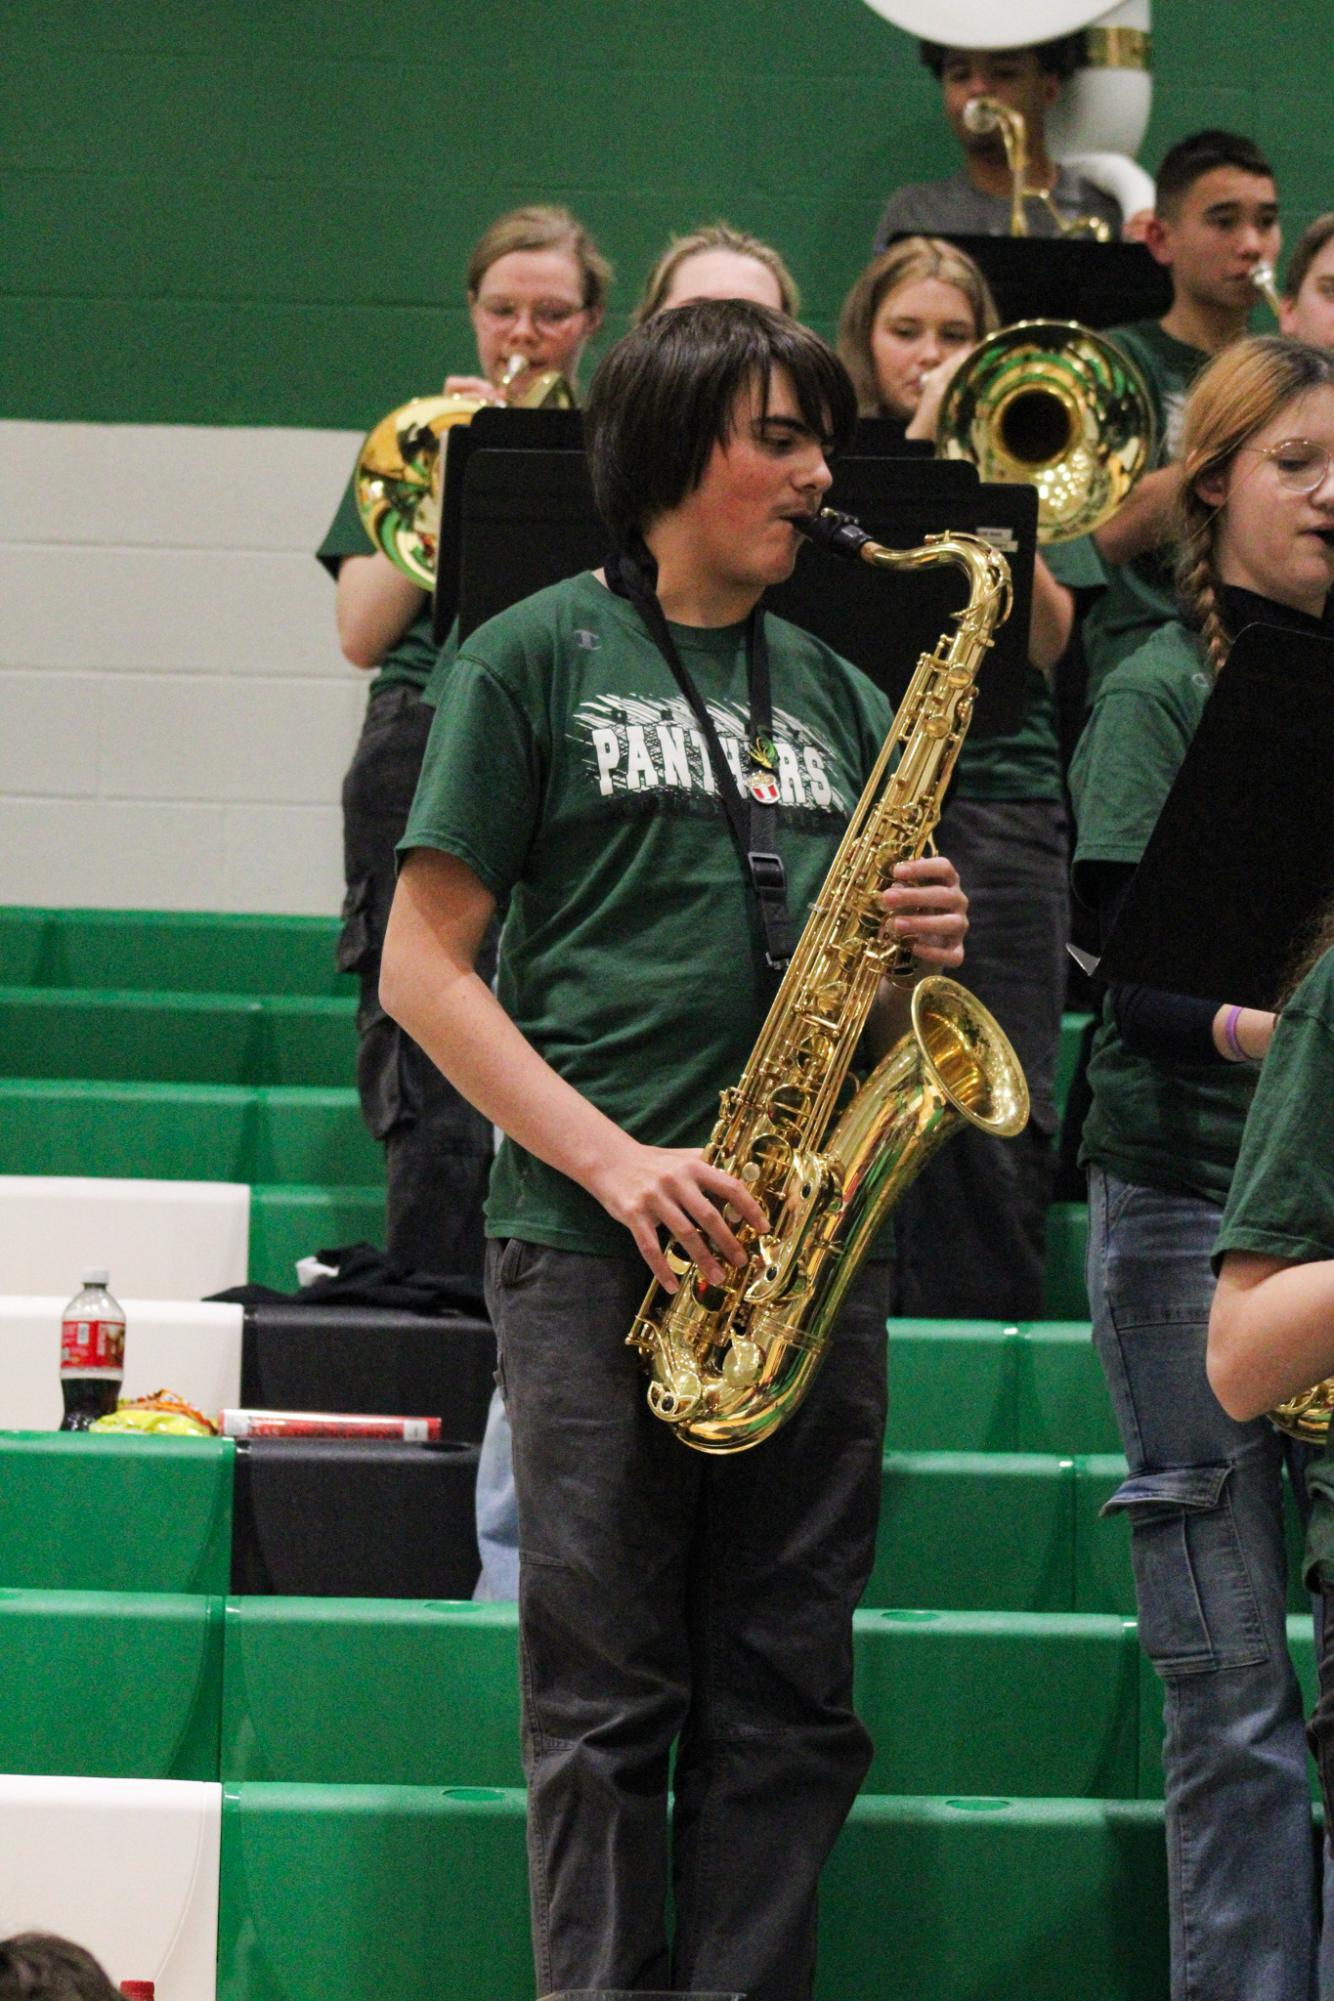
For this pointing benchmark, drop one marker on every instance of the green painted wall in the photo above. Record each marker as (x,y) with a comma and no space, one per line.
(257,211)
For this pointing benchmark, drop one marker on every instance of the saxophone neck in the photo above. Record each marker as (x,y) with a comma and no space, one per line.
(986,569)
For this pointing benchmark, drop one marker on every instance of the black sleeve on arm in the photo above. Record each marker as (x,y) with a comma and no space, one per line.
(1164,1027)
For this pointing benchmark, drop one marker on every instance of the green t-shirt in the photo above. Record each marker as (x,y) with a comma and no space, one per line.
(1281,1202)
(1141,594)
(1175,1126)
(413,655)
(566,769)
(1026,764)
(443,667)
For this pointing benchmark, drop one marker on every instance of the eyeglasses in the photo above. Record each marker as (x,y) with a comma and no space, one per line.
(548,315)
(1301,465)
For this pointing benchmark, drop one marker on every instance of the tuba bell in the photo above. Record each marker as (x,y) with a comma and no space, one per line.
(1054,404)
(399,468)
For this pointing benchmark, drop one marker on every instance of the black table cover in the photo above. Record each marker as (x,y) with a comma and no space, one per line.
(354,1518)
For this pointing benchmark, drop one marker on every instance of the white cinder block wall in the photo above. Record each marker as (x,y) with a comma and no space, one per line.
(175,716)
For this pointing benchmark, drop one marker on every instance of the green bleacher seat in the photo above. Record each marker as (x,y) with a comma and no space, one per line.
(115,1512)
(1029,1704)
(972,1702)
(1061,1397)
(1073,1027)
(185,1132)
(290,1223)
(983,1386)
(314,1137)
(369,1892)
(975,1531)
(363,1665)
(1065,1291)
(170,950)
(110,1684)
(183,1038)
(419,1891)
(169,1132)
(951,1386)
(972,1899)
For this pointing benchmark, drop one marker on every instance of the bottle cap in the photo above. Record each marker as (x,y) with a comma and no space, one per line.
(145,1989)
(97,1275)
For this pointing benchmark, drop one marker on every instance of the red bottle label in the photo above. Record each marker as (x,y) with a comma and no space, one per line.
(92,1344)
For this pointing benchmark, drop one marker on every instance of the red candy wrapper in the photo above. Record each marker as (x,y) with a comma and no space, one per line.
(324,1424)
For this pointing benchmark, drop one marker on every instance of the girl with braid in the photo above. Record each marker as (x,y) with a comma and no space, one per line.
(1172,1078)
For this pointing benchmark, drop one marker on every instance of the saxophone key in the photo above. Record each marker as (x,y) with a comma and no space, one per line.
(742,1363)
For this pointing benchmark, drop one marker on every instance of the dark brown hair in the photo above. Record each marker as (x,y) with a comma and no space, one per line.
(1309,947)
(667,393)
(1198,154)
(38,1966)
(1060,57)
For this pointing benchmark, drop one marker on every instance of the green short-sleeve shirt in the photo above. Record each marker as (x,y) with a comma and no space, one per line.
(1282,1199)
(566,769)
(1141,594)
(1026,764)
(412,656)
(1175,1126)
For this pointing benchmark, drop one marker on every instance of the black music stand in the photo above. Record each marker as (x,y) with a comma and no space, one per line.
(490,430)
(882,619)
(1242,859)
(527,520)
(1069,278)
(563,430)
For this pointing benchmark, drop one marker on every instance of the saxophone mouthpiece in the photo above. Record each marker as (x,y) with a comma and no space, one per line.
(842,534)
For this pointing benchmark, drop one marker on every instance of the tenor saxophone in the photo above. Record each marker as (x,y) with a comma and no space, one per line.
(825,1160)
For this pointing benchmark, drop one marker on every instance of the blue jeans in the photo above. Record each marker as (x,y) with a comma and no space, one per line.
(670,1599)
(496,1508)
(1205,1502)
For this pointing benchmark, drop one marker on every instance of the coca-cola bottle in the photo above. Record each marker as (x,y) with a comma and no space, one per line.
(92,1353)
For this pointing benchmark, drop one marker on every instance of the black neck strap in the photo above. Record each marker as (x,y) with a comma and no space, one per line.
(752,814)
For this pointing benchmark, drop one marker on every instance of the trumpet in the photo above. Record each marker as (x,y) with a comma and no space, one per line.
(1052,403)
(1266,284)
(401,463)
(988,114)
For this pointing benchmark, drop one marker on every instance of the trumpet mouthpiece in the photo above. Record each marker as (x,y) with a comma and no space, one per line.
(981,114)
(1266,284)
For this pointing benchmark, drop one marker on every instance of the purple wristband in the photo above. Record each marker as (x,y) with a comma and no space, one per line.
(1230,1035)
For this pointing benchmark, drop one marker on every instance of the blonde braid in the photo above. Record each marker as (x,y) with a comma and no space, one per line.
(1197,587)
